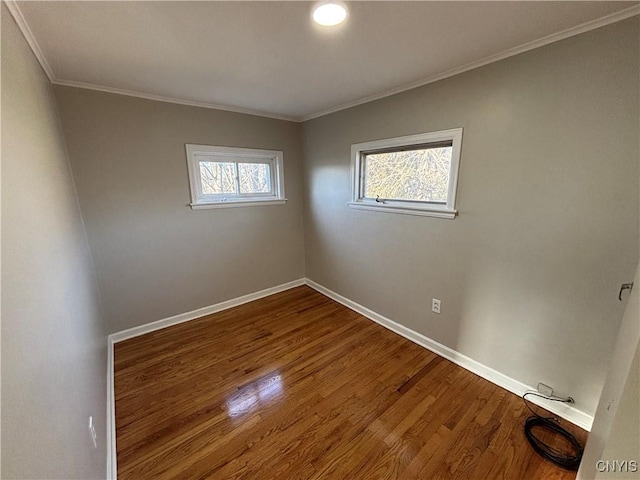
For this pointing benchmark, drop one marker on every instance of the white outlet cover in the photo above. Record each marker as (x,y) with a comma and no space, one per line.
(545,389)
(435,305)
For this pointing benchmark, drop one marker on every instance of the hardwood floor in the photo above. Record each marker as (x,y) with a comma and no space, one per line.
(297,386)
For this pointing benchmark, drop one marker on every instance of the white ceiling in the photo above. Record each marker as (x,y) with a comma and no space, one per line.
(268,58)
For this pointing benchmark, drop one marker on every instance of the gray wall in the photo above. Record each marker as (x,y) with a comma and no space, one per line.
(53,344)
(528,274)
(156,257)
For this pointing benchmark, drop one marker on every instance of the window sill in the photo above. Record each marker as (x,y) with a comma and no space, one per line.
(448,214)
(241,203)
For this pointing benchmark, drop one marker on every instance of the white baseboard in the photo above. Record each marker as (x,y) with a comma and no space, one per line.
(569,413)
(565,411)
(200,312)
(112,463)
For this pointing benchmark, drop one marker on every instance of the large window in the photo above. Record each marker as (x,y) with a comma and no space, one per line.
(416,174)
(229,176)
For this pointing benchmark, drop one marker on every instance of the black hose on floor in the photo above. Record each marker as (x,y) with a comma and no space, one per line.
(568,461)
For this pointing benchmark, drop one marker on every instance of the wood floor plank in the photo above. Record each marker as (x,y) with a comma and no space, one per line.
(297,386)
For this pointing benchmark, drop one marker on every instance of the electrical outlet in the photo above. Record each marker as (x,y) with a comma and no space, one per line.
(435,305)
(92,431)
(545,389)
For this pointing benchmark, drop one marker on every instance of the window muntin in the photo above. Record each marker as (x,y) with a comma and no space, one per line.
(416,174)
(228,176)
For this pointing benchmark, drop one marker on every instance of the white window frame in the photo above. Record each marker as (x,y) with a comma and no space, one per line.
(358,152)
(199,200)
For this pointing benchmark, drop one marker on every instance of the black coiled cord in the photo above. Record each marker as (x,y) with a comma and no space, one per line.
(560,458)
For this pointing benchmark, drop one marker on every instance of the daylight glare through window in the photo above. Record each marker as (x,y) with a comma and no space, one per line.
(228,176)
(415,174)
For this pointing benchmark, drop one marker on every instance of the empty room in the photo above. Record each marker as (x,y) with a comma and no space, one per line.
(320,240)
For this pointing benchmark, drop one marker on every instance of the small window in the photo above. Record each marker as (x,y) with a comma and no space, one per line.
(415,175)
(229,176)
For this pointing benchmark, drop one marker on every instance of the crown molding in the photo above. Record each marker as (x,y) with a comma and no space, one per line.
(14,9)
(555,37)
(29,37)
(570,32)
(179,101)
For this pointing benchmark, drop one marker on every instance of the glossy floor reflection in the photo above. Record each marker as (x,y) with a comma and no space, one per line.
(262,392)
(296,386)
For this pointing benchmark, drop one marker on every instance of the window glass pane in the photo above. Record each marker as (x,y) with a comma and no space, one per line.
(217,177)
(254,177)
(415,175)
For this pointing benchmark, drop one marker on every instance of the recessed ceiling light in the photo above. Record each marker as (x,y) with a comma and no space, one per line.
(329,14)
